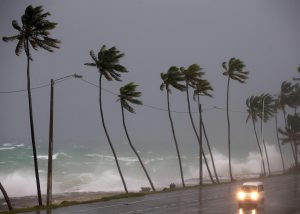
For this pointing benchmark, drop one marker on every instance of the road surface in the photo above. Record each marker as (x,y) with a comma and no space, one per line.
(282,196)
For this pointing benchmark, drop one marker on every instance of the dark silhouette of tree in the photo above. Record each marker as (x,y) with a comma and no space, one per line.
(33,33)
(276,107)
(234,70)
(291,133)
(173,78)
(253,110)
(284,99)
(266,109)
(191,74)
(10,208)
(107,64)
(202,88)
(129,94)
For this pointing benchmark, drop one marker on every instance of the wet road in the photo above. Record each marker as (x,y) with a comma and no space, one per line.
(282,196)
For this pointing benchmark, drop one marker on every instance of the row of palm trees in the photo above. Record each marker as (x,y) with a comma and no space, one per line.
(34,33)
(265,106)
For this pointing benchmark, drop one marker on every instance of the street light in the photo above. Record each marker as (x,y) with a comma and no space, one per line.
(50,149)
(262,132)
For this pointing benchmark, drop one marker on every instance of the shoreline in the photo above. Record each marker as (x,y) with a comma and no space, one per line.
(32,201)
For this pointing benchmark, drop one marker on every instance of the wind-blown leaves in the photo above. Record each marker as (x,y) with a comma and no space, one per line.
(235,70)
(172,78)
(35,30)
(129,94)
(107,62)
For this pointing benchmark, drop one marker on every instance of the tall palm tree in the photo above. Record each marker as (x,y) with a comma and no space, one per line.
(34,33)
(284,99)
(252,104)
(10,208)
(192,74)
(202,88)
(107,64)
(266,111)
(276,107)
(129,94)
(173,78)
(234,70)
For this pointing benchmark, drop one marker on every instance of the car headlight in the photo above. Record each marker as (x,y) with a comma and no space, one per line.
(241,195)
(254,196)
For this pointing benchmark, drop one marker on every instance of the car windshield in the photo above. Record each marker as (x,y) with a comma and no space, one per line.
(249,188)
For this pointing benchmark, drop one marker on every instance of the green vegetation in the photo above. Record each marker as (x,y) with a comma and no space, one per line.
(129,94)
(34,33)
(107,64)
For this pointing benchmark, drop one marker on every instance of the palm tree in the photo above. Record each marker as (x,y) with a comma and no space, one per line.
(128,94)
(233,70)
(203,88)
(284,99)
(34,33)
(291,133)
(107,64)
(252,104)
(266,111)
(10,208)
(276,107)
(192,74)
(172,78)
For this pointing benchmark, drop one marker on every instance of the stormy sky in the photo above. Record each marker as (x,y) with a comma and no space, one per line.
(154,35)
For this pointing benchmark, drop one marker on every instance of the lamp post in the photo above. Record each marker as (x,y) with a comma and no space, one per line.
(262,132)
(50,149)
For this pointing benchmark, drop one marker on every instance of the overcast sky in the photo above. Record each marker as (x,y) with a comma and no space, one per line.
(154,35)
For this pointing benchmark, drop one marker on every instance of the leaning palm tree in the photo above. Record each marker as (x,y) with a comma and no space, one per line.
(234,70)
(10,208)
(128,94)
(284,99)
(266,112)
(173,78)
(192,74)
(107,64)
(276,107)
(202,88)
(252,104)
(34,33)
(291,133)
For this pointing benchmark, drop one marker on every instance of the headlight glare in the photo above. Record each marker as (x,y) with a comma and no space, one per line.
(254,196)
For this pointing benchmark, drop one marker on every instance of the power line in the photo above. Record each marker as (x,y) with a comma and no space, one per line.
(115,94)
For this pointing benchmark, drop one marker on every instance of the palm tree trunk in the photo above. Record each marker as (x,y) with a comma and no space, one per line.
(107,136)
(175,140)
(208,145)
(36,168)
(228,125)
(257,141)
(292,147)
(196,133)
(6,197)
(266,152)
(135,152)
(276,124)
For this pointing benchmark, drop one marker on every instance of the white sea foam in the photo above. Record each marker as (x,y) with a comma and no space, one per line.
(7,144)
(19,145)
(54,157)
(7,148)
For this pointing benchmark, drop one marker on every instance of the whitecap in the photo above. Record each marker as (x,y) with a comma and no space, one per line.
(7,148)
(7,144)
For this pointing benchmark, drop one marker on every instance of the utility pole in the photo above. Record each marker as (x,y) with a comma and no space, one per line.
(50,149)
(201,148)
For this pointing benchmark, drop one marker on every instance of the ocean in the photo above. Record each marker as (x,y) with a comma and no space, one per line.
(91,167)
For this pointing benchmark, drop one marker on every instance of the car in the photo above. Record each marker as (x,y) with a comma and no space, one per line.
(251,193)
